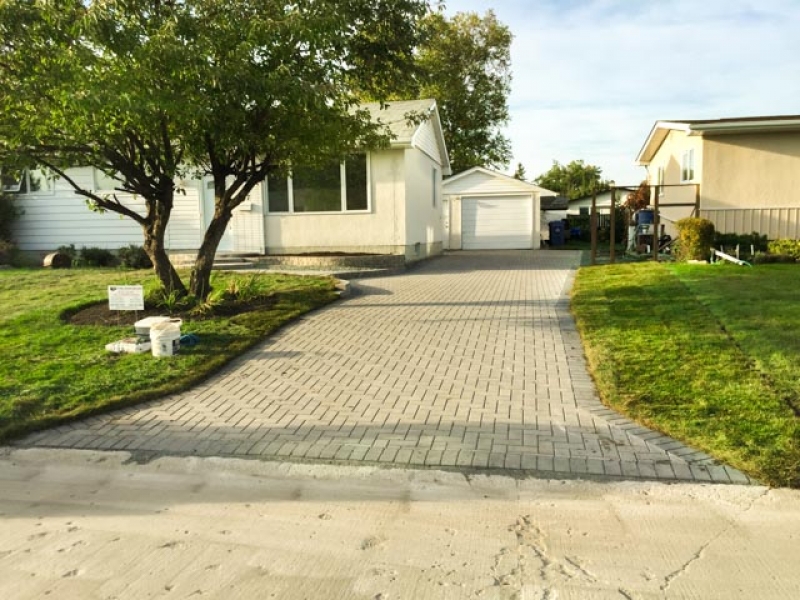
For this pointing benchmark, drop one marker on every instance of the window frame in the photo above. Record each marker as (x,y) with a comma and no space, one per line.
(687,166)
(25,181)
(342,194)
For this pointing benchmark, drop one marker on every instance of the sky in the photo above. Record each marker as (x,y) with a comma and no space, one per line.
(591,77)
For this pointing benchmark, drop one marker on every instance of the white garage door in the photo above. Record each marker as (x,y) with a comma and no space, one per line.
(497,223)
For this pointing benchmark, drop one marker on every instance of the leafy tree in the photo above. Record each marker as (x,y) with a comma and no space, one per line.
(465,64)
(574,180)
(520,172)
(152,91)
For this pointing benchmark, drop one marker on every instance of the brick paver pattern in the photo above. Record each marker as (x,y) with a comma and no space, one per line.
(470,360)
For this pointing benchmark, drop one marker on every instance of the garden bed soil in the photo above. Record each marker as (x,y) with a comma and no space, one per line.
(99,314)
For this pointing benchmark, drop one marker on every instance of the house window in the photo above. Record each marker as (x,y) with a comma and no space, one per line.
(687,166)
(356,196)
(317,189)
(278,194)
(14,180)
(331,188)
(660,181)
(435,180)
(27,181)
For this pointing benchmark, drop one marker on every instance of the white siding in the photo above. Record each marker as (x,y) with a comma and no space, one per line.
(61,218)
(248,224)
(497,223)
(185,229)
(426,140)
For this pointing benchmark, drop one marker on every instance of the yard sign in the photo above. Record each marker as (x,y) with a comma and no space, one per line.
(125,297)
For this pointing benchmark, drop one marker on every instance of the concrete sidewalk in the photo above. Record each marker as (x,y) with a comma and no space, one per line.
(471,360)
(81,524)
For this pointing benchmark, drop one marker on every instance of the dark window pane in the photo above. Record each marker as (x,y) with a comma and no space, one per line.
(317,189)
(278,194)
(13,180)
(356,173)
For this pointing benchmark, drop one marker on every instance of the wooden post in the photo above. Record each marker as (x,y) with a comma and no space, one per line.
(656,226)
(593,227)
(612,255)
(697,200)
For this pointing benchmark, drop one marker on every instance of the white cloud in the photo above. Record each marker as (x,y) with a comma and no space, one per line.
(591,76)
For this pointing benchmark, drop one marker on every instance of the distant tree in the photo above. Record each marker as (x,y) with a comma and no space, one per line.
(153,91)
(574,180)
(464,63)
(520,172)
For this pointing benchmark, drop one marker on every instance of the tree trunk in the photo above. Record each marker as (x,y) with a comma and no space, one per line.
(200,282)
(154,232)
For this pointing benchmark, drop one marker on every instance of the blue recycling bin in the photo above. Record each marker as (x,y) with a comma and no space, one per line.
(556,233)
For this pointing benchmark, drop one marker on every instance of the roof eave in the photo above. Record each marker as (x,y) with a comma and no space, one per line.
(658,134)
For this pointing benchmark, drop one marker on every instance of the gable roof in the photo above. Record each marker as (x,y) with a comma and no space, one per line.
(405,120)
(705,127)
(507,179)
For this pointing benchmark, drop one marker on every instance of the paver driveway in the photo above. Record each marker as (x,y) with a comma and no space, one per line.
(471,360)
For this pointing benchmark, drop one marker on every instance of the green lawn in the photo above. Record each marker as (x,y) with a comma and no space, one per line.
(51,371)
(707,354)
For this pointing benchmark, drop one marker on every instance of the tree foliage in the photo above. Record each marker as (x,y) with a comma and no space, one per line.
(575,180)
(152,91)
(519,173)
(464,63)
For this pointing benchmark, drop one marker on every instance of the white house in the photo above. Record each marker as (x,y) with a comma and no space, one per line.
(487,210)
(387,201)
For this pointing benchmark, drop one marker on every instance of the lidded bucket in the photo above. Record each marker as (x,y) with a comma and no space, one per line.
(165,337)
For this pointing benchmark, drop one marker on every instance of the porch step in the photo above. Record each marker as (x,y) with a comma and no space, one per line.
(234,263)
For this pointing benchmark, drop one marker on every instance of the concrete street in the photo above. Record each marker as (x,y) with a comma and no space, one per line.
(80,525)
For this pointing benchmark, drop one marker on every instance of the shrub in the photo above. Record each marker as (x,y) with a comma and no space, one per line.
(8,214)
(134,257)
(696,236)
(6,251)
(97,257)
(762,259)
(785,247)
(744,241)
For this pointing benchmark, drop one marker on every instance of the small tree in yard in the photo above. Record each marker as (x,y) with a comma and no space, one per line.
(152,91)
(637,200)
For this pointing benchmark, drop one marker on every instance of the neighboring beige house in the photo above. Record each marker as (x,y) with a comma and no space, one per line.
(487,210)
(386,202)
(747,170)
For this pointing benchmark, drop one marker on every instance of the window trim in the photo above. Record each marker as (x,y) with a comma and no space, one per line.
(342,195)
(435,178)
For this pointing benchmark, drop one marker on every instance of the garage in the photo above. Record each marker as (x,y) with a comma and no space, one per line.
(497,223)
(487,210)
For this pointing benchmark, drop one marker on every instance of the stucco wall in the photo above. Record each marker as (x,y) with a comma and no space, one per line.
(670,157)
(378,230)
(751,171)
(423,218)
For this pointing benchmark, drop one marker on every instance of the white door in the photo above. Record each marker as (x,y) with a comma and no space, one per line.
(226,243)
(497,223)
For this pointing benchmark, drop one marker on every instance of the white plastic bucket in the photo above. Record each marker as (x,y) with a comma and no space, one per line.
(165,337)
